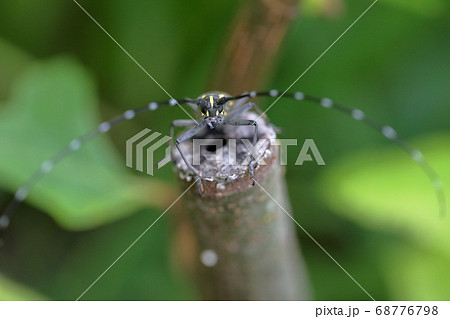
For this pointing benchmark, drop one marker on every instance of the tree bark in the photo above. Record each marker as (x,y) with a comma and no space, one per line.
(243,244)
(235,240)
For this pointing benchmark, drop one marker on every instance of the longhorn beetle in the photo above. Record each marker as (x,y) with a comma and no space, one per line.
(216,109)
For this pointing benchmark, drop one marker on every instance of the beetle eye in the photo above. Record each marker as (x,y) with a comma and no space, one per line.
(201,103)
(222,100)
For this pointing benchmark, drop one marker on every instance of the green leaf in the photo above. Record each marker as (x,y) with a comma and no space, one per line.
(414,274)
(10,290)
(384,189)
(145,272)
(51,104)
(428,8)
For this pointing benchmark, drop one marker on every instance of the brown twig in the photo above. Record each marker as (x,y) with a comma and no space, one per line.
(254,40)
(235,241)
(237,223)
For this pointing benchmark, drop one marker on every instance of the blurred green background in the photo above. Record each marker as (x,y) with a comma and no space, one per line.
(371,207)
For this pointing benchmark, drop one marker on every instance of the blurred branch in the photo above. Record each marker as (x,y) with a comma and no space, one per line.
(255,38)
(236,241)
